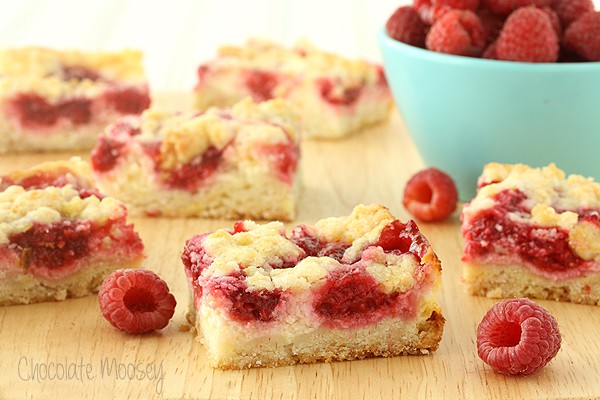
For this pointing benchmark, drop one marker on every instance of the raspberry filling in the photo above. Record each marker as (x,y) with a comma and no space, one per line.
(107,152)
(195,260)
(39,180)
(314,247)
(127,100)
(190,176)
(399,238)
(53,246)
(261,84)
(284,160)
(53,250)
(349,298)
(44,179)
(33,111)
(345,97)
(245,305)
(193,175)
(110,148)
(494,235)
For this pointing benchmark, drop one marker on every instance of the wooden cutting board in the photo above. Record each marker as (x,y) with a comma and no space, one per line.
(67,350)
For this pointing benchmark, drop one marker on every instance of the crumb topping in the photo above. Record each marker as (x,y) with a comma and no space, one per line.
(392,279)
(20,209)
(555,200)
(260,247)
(262,250)
(185,135)
(76,171)
(301,59)
(365,221)
(40,70)
(584,239)
(547,185)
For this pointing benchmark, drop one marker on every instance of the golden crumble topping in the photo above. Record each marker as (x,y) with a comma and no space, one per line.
(262,246)
(40,70)
(20,208)
(302,58)
(555,200)
(185,135)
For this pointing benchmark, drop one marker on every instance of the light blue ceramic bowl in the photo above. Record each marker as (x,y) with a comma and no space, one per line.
(465,112)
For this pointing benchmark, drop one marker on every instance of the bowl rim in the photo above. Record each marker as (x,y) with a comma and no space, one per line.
(386,40)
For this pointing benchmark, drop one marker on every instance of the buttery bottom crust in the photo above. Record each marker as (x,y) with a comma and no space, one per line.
(238,349)
(504,281)
(25,289)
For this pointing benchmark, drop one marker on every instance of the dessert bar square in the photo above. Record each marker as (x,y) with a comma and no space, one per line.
(238,162)
(54,100)
(346,288)
(533,232)
(59,237)
(334,96)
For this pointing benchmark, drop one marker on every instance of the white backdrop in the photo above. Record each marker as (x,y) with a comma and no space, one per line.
(177,35)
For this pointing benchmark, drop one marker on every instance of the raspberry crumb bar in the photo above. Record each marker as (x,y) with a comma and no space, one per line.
(334,96)
(58,237)
(347,288)
(533,232)
(238,162)
(61,100)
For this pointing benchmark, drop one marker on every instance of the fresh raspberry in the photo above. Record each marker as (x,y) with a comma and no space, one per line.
(128,100)
(554,19)
(517,336)
(505,7)
(432,10)
(405,26)
(457,32)
(136,300)
(492,24)
(430,195)
(570,10)
(583,36)
(490,52)
(528,35)
(457,4)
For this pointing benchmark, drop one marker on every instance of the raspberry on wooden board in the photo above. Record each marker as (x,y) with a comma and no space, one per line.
(517,336)
(430,195)
(136,301)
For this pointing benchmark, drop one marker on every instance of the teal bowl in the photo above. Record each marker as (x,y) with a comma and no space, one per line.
(464,112)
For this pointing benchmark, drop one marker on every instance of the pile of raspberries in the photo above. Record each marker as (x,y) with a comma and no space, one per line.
(509,30)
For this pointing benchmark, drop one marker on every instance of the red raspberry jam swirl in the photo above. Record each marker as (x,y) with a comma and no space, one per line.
(261,84)
(127,100)
(347,97)
(493,237)
(245,305)
(53,250)
(44,179)
(349,298)
(35,112)
(284,158)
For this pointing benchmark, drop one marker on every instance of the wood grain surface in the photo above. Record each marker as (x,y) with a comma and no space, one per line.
(67,350)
